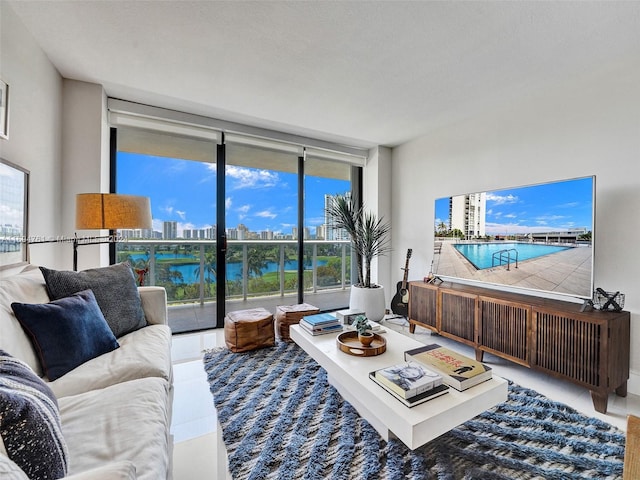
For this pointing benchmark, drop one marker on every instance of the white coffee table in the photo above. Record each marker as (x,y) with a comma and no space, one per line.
(349,374)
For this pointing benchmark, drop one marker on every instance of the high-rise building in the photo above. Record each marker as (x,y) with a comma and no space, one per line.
(332,232)
(169,230)
(467,213)
(243,232)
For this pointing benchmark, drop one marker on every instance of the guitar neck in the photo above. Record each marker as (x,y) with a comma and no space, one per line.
(406,275)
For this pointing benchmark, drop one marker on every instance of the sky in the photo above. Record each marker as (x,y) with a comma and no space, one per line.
(185,191)
(555,206)
(11,198)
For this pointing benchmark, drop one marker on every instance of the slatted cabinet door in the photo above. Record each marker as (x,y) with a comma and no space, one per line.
(591,350)
(504,328)
(423,306)
(458,315)
(568,346)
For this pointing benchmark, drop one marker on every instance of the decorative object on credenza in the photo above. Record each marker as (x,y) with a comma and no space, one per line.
(613,301)
(4,109)
(14,195)
(431,278)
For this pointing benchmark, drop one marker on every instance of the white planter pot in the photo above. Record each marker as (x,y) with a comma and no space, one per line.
(369,300)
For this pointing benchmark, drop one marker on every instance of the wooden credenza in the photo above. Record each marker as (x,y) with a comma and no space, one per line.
(590,348)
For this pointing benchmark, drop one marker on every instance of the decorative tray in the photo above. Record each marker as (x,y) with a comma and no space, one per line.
(348,342)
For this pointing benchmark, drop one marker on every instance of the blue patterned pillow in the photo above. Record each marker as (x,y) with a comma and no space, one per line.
(66,332)
(30,421)
(115,290)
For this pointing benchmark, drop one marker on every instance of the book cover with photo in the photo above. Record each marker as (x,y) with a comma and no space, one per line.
(408,379)
(457,370)
(435,392)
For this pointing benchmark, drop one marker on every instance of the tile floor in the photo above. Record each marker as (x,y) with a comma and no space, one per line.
(196,443)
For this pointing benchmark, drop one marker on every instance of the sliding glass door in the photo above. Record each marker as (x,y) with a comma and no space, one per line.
(261,214)
(238,222)
(178,174)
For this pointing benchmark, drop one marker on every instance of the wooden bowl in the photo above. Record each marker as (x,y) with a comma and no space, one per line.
(348,343)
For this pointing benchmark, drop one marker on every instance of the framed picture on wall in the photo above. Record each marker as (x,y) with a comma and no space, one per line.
(4,109)
(14,195)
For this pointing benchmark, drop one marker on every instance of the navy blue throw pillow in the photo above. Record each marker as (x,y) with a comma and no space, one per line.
(30,421)
(66,332)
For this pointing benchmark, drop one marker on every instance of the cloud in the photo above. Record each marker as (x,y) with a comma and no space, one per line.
(244,209)
(157,225)
(210,170)
(569,205)
(175,167)
(551,218)
(10,215)
(250,177)
(313,221)
(266,214)
(501,199)
(227,203)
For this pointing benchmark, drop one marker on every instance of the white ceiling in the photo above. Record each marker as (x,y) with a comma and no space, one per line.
(363,73)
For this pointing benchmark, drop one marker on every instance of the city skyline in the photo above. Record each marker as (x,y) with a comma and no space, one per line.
(184,191)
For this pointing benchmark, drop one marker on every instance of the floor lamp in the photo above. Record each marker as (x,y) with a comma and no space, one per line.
(108,211)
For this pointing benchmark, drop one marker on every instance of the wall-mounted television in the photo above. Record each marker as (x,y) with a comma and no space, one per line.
(534,238)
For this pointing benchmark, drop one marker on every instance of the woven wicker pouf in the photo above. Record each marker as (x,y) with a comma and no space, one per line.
(250,329)
(287,315)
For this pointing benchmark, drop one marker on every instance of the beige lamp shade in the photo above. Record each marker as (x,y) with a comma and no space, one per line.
(112,211)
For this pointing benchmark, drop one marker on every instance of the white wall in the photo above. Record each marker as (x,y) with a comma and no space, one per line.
(35,102)
(377,200)
(587,126)
(85,146)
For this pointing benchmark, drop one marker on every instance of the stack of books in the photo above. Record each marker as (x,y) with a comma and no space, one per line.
(320,324)
(458,371)
(410,382)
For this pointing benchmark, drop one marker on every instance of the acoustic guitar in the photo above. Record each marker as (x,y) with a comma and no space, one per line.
(400,301)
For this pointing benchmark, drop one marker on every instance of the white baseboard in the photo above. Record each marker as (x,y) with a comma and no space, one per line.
(633,385)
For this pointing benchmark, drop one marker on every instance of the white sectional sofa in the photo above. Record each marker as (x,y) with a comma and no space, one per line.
(114,409)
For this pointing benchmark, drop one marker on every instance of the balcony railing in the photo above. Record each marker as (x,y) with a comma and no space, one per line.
(187,268)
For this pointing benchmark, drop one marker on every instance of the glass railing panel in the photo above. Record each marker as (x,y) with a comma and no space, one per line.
(331,265)
(264,269)
(187,269)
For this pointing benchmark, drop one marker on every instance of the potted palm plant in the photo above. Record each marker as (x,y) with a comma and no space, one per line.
(369,238)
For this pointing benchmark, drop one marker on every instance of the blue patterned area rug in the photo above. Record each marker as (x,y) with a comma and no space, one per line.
(282,420)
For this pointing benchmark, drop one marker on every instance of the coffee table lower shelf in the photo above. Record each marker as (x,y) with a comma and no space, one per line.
(413,426)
